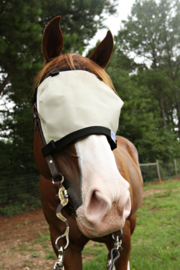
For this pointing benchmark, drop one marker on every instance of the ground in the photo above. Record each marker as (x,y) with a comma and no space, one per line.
(25,244)
(21,244)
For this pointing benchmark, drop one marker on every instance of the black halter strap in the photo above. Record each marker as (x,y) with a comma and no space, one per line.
(56,175)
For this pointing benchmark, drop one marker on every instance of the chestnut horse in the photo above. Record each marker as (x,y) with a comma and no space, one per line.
(105,186)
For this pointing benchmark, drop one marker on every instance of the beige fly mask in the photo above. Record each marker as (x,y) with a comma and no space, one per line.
(73,104)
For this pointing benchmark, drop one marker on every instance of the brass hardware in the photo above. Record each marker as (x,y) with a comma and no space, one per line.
(66,235)
(63,199)
(61,217)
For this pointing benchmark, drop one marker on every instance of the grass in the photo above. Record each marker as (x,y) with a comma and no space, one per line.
(34,255)
(155,242)
(28,265)
(26,222)
(45,240)
(22,247)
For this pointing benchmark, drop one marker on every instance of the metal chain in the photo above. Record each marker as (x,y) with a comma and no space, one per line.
(63,197)
(115,252)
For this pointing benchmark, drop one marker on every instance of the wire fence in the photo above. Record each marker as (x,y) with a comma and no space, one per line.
(21,193)
(166,170)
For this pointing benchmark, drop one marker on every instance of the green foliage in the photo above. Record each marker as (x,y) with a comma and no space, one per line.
(152,33)
(150,91)
(21,29)
(140,120)
(150,117)
(19,194)
(24,203)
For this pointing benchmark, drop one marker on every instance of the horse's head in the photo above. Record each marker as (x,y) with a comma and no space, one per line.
(99,193)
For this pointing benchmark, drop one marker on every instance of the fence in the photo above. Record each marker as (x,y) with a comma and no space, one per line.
(22,193)
(19,194)
(160,170)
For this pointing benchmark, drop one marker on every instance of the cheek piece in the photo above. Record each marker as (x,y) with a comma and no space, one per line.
(70,105)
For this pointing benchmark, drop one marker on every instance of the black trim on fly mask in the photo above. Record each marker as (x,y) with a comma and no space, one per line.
(54,146)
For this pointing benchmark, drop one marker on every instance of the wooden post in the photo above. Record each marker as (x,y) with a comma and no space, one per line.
(158,171)
(175,165)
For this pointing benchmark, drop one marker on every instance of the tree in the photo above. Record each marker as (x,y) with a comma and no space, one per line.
(139,120)
(21,28)
(152,32)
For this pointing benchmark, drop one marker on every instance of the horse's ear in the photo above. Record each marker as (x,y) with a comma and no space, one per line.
(102,54)
(52,39)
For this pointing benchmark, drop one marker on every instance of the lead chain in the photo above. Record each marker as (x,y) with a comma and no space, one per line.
(115,252)
(63,197)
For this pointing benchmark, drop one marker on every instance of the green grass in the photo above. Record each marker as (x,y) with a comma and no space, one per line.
(22,247)
(167,185)
(156,240)
(50,255)
(29,265)
(44,241)
(34,255)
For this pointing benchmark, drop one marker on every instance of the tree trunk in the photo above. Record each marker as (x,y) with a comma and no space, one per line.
(163,115)
(177,108)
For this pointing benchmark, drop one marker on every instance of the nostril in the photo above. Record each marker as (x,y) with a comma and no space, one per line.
(96,205)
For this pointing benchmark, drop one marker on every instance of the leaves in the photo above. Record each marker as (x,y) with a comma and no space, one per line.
(21,29)
(151,114)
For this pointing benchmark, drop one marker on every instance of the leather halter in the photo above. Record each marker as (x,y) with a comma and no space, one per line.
(56,175)
(62,192)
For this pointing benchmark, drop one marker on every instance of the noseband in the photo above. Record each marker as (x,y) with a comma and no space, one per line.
(58,179)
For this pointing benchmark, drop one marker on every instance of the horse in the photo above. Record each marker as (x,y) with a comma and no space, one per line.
(104,185)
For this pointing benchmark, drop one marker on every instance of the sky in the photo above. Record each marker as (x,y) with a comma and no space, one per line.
(113,22)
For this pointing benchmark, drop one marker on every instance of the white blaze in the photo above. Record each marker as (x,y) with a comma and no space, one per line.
(105,193)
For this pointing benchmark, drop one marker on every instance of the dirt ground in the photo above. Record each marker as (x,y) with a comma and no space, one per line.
(24,242)
(20,242)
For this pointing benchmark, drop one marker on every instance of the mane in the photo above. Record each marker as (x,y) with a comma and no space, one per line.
(73,62)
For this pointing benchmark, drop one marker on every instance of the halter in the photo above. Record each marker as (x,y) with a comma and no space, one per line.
(47,150)
(62,193)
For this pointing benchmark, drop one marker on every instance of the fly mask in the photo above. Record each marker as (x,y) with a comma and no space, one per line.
(74,104)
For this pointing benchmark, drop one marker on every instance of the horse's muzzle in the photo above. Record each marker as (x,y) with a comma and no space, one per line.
(102,216)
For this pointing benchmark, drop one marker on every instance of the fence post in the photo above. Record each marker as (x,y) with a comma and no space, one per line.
(158,171)
(175,165)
